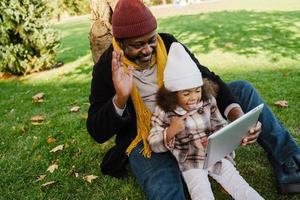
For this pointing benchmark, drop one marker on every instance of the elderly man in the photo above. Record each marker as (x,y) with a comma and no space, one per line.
(123,88)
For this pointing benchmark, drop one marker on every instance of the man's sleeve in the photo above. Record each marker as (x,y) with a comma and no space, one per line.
(103,121)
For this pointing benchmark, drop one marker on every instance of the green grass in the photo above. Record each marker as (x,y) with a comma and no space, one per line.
(261,47)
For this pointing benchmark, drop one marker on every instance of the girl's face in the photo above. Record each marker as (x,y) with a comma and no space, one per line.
(188,99)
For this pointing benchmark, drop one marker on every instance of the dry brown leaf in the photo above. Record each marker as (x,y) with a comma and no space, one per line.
(90,178)
(40,177)
(52,168)
(38,98)
(281,103)
(39,101)
(84,117)
(73,172)
(23,129)
(223,190)
(75,109)
(285,73)
(48,183)
(51,140)
(37,119)
(57,148)
(36,123)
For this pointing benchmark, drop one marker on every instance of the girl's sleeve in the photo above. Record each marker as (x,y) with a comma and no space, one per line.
(216,119)
(157,135)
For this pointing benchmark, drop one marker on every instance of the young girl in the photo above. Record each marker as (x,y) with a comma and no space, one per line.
(186,115)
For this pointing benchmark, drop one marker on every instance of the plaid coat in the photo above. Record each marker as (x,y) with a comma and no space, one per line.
(188,146)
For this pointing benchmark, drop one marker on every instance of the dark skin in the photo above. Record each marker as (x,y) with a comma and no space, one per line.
(140,50)
(253,132)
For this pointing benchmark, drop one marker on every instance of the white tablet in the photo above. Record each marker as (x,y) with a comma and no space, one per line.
(228,138)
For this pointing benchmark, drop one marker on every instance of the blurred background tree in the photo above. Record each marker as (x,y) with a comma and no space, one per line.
(157,2)
(68,7)
(100,35)
(27,41)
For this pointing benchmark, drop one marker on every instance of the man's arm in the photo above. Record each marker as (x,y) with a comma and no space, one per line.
(103,120)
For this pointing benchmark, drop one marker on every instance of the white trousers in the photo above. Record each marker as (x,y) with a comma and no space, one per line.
(199,186)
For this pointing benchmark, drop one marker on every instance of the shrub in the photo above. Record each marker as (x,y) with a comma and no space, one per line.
(27,41)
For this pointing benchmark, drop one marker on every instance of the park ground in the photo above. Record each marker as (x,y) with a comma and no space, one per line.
(45,150)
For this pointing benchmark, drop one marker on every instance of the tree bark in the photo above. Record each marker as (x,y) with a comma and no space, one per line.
(100,35)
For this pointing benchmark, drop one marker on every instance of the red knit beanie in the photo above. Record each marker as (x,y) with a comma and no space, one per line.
(131,18)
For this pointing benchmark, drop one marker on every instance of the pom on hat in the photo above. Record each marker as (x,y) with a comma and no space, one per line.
(131,18)
(181,71)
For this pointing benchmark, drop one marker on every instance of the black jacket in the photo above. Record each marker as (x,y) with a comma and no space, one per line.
(103,122)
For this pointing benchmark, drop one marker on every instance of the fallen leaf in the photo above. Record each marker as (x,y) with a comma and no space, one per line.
(37,119)
(75,109)
(40,177)
(23,129)
(48,183)
(51,140)
(285,73)
(38,98)
(90,178)
(36,123)
(281,104)
(73,172)
(38,157)
(223,190)
(58,148)
(84,117)
(52,168)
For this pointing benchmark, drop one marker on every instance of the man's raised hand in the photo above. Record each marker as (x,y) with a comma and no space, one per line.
(122,80)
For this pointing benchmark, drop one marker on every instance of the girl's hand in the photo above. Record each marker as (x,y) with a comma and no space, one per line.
(176,126)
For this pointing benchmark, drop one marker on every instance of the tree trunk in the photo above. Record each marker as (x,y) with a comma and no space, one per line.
(100,35)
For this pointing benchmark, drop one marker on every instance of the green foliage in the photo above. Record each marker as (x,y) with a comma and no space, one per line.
(158,2)
(71,7)
(28,43)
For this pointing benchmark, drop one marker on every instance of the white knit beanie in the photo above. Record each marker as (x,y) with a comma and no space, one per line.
(181,71)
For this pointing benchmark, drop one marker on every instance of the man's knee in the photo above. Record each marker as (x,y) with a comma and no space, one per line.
(242,85)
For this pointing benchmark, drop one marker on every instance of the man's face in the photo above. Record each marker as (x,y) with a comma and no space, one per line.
(140,49)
